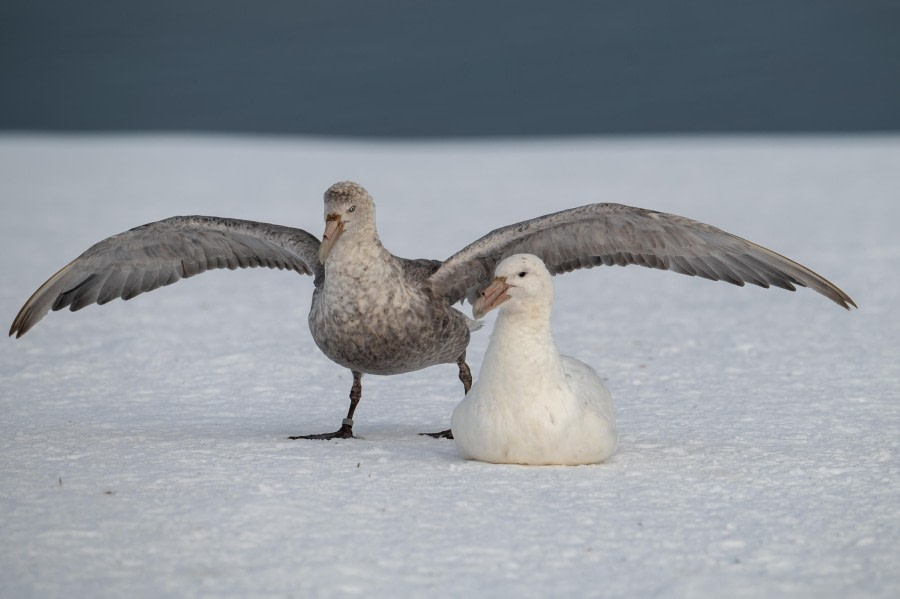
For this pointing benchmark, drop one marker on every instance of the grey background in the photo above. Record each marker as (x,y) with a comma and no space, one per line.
(414,68)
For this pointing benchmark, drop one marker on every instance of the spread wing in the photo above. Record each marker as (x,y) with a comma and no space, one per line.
(161,253)
(613,234)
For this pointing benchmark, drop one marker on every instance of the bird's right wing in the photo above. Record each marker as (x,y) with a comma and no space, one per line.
(163,252)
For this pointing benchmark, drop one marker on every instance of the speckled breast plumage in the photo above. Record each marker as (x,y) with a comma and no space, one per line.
(377,322)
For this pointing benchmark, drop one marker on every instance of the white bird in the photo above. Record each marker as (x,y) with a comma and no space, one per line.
(530,404)
(377,313)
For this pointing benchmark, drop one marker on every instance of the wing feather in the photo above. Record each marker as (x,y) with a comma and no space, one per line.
(161,253)
(618,235)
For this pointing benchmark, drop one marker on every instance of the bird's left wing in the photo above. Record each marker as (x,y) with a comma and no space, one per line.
(163,252)
(614,234)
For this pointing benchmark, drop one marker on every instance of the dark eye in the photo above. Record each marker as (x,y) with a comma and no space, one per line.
(351,209)
(522,274)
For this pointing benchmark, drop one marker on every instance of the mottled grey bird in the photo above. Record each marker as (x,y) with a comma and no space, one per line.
(375,313)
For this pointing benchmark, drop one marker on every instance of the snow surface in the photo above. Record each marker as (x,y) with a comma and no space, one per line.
(143,444)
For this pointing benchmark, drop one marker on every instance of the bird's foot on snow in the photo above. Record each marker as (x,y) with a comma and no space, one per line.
(447,434)
(345,432)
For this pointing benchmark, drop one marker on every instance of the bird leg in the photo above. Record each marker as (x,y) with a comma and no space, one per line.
(465,375)
(346,430)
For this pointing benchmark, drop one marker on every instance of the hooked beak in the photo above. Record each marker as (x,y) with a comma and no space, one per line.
(493,295)
(333,229)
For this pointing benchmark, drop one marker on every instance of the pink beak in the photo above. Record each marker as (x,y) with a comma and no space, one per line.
(493,295)
(333,229)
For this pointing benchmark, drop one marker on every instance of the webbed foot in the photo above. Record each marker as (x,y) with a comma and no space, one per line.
(345,432)
(447,434)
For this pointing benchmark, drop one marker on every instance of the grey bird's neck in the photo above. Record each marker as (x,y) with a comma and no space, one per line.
(358,255)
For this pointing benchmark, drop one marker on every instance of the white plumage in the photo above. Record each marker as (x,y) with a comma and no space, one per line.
(530,404)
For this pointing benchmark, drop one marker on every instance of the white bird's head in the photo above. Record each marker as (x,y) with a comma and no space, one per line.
(348,208)
(521,283)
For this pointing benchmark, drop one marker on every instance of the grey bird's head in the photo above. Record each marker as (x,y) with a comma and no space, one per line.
(349,209)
